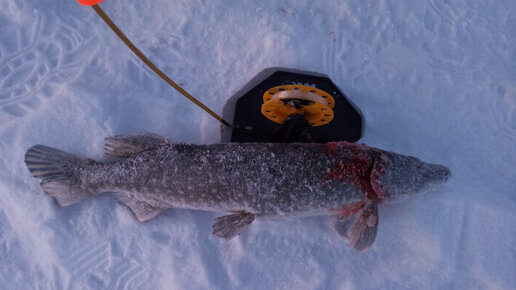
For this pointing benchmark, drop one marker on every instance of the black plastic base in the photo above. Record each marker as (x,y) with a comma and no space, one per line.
(294,129)
(249,125)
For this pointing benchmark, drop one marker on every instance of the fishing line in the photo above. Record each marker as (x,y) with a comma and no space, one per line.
(145,60)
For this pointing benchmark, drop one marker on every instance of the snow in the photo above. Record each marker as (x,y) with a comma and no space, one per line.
(434,79)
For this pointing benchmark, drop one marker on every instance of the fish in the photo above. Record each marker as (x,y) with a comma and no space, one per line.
(149,174)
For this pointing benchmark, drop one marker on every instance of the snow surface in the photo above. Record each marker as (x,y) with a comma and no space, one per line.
(434,79)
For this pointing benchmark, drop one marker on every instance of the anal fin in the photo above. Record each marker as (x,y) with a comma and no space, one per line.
(122,146)
(229,226)
(142,210)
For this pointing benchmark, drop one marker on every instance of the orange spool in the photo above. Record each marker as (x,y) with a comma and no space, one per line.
(317,108)
(89,2)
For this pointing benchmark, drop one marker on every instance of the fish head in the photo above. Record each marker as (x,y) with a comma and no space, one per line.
(406,176)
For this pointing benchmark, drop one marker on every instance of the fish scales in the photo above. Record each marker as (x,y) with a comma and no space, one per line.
(265,179)
(150,174)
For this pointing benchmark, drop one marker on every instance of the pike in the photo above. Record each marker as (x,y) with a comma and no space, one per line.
(149,174)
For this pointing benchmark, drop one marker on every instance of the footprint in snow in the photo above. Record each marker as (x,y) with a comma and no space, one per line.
(35,62)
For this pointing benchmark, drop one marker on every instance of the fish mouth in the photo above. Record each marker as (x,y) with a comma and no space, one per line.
(436,173)
(448,173)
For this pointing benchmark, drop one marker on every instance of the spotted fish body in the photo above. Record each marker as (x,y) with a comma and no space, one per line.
(150,174)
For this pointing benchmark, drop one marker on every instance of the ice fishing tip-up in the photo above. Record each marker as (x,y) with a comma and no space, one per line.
(142,57)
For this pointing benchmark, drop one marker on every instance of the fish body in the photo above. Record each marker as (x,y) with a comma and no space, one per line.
(150,174)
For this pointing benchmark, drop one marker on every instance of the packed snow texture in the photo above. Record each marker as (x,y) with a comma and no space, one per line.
(433,79)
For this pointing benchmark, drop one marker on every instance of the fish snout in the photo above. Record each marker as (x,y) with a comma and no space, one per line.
(438,173)
(406,176)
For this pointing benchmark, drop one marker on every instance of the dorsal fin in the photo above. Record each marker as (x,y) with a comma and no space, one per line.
(122,146)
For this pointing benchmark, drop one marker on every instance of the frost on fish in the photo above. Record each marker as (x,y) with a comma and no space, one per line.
(150,174)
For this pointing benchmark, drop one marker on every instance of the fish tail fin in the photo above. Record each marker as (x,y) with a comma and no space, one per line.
(55,168)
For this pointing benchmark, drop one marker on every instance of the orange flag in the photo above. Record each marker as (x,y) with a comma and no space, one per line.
(89,2)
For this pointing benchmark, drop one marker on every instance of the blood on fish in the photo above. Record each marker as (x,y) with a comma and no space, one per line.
(346,211)
(378,169)
(333,147)
(362,168)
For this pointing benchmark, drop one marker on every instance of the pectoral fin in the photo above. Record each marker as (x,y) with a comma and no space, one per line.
(362,234)
(229,226)
(360,228)
(122,146)
(342,226)
(142,210)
